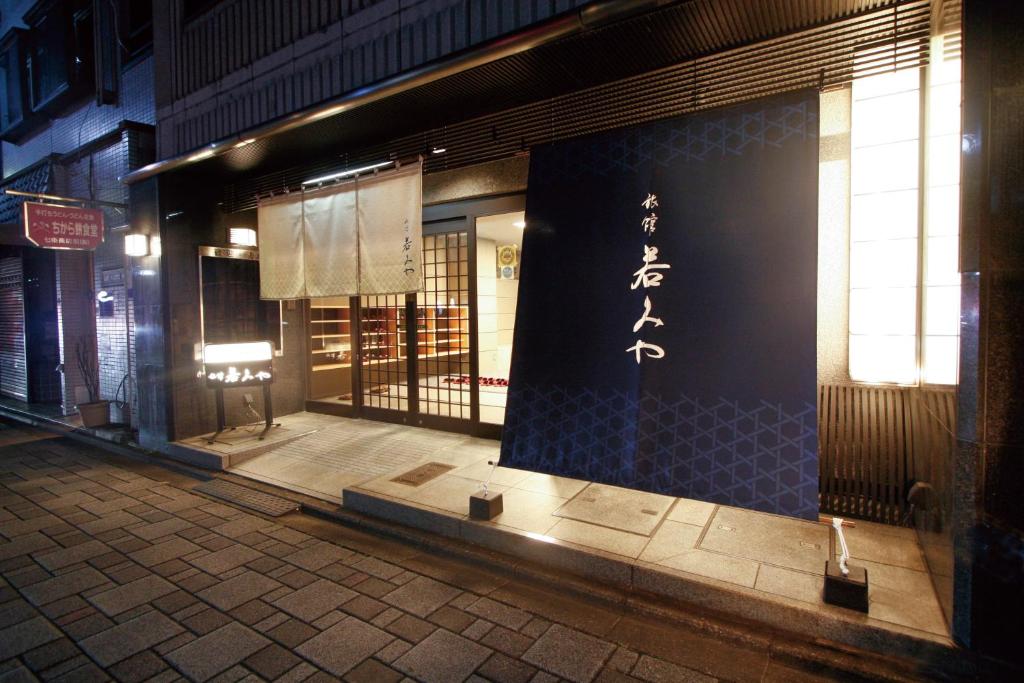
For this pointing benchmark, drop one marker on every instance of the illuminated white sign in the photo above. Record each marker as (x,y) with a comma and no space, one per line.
(238,365)
(217,354)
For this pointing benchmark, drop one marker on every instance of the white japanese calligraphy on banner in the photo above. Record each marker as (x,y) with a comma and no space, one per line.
(391,232)
(648,276)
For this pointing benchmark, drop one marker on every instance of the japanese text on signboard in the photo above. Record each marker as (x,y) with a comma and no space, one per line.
(63,227)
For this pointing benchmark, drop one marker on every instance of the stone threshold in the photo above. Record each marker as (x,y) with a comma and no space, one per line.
(682,589)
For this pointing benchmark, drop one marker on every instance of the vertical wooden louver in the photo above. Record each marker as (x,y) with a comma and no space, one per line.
(874,442)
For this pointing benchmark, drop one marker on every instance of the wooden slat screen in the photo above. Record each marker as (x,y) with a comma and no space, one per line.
(873,441)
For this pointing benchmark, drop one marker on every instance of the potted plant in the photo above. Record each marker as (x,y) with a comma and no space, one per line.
(96,412)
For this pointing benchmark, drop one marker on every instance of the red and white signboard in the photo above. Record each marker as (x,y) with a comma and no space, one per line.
(62,227)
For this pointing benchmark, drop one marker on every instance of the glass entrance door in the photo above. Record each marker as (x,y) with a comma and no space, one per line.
(384,352)
(439,358)
(414,350)
(443,367)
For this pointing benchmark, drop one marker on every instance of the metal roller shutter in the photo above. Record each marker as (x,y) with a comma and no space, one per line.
(13,366)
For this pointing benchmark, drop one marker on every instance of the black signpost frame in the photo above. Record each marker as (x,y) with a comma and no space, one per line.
(268,410)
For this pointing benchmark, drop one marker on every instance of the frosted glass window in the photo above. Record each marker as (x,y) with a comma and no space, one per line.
(884,227)
(904,266)
(941,306)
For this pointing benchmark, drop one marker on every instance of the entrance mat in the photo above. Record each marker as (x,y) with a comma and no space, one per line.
(422,474)
(247,497)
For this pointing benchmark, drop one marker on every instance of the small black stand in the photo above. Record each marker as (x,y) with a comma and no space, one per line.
(221,420)
(485,505)
(846,590)
(268,408)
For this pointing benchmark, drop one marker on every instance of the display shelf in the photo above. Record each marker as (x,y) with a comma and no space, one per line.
(330,366)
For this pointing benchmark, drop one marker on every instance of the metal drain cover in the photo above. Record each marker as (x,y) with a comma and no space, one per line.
(247,497)
(422,474)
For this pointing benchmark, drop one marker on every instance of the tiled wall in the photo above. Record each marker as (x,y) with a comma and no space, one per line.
(97,176)
(75,323)
(369,42)
(75,127)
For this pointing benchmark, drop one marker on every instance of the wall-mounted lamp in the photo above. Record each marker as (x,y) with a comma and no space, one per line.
(155,247)
(243,237)
(136,244)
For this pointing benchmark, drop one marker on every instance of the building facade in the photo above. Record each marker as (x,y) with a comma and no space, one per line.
(78,113)
(259,102)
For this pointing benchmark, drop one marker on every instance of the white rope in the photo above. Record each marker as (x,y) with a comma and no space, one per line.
(838,524)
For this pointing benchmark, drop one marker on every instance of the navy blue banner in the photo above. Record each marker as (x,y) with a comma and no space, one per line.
(666,323)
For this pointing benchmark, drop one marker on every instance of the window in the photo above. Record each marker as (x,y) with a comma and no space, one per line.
(136,26)
(904,280)
(12,83)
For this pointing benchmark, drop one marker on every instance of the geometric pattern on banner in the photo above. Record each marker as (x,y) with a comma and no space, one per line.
(757,457)
(580,433)
(281,227)
(691,139)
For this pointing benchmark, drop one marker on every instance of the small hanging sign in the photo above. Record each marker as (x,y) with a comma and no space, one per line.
(53,226)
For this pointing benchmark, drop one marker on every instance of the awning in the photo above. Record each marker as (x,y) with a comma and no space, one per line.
(601,42)
(36,178)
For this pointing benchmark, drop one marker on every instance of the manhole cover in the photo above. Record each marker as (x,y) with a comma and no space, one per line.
(246,497)
(422,474)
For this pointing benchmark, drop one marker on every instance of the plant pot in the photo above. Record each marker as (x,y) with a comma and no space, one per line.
(94,414)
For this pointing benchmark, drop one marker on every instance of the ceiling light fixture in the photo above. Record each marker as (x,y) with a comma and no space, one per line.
(345,174)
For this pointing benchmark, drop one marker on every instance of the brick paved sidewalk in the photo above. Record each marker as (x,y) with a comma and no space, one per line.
(111,573)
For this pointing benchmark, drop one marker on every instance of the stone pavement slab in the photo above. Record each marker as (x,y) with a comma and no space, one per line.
(318,556)
(63,586)
(421,596)
(441,657)
(569,653)
(164,551)
(25,636)
(114,644)
(206,657)
(132,594)
(315,600)
(239,590)
(226,559)
(65,557)
(344,645)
